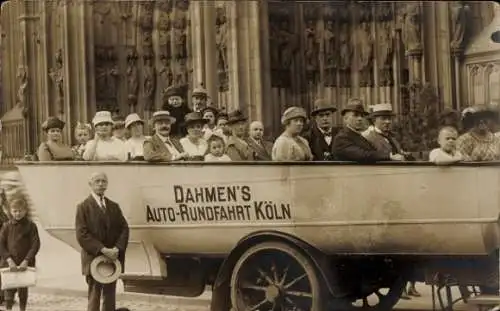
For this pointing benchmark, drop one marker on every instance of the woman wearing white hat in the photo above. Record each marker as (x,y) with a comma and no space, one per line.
(104,147)
(135,144)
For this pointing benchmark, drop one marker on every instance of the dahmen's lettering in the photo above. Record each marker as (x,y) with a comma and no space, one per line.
(215,194)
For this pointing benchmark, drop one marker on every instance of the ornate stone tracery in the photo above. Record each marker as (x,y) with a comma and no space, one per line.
(106,78)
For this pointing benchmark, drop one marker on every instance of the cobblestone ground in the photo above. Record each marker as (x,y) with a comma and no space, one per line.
(46,302)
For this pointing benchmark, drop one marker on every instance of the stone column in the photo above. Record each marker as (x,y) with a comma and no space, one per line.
(198,41)
(210,77)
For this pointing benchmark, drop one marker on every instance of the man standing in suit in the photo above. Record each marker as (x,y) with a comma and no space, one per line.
(161,147)
(101,229)
(322,132)
(350,145)
(260,147)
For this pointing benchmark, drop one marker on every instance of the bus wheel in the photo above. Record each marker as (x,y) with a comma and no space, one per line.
(275,276)
(381,298)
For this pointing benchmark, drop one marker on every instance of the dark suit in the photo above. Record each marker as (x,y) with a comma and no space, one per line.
(349,145)
(156,151)
(262,151)
(321,150)
(97,228)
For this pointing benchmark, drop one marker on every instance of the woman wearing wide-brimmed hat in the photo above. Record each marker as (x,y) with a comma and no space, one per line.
(479,143)
(290,146)
(193,143)
(53,149)
(135,144)
(104,147)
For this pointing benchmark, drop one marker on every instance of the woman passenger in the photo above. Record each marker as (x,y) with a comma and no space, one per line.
(194,143)
(479,143)
(119,130)
(54,149)
(135,125)
(83,132)
(290,146)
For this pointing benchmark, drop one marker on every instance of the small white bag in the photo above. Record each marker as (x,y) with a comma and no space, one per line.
(18,279)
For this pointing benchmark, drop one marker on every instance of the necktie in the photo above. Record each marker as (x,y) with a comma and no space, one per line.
(101,199)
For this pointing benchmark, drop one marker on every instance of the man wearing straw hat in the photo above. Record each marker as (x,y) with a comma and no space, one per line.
(379,133)
(161,147)
(101,230)
(322,132)
(350,145)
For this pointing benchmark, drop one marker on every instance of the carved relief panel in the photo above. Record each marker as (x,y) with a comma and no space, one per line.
(364,45)
(180,48)
(385,43)
(330,47)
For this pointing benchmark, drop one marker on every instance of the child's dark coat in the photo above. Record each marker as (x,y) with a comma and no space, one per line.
(19,240)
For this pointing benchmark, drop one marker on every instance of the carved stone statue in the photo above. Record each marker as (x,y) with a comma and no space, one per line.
(346,52)
(459,16)
(57,76)
(385,53)
(107,76)
(365,42)
(311,46)
(287,45)
(411,28)
(132,78)
(22,76)
(221,41)
(330,45)
(149,83)
(331,54)
(164,27)
(165,73)
(146,23)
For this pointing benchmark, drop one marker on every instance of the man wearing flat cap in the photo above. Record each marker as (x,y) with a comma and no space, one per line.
(237,147)
(174,103)
(199,98)
(322,132)
(379,133)
(161,147)
(350,145)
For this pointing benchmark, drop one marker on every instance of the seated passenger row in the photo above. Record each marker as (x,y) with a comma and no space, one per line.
(215,136)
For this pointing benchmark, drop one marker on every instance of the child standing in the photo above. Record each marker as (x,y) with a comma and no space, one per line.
(447,152)
(216,147)
(19,244)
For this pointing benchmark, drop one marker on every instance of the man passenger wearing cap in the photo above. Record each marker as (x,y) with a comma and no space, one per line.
(237,147)
(135,144)
(199,99)
(262,149)
(322,132)
(350,145)
(104,147)
(161,147)
(177,107)
(210,114)
(379,134)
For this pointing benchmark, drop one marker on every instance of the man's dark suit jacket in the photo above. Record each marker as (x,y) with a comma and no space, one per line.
(96,229)
(320,149)
(351,146)
(261,152)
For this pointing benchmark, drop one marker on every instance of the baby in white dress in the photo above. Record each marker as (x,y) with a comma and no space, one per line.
(216,149)
(447,152)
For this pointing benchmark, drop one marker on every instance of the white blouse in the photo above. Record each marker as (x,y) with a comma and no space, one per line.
(194,149)
(112,149)
(223,158)
(135,146)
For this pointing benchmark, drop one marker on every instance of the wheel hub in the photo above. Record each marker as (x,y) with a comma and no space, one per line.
(273,293)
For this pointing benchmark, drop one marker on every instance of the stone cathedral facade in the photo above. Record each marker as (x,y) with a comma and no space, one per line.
(71,58)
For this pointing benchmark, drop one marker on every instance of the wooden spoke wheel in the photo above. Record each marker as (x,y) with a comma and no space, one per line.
(380,298)
(274,276)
